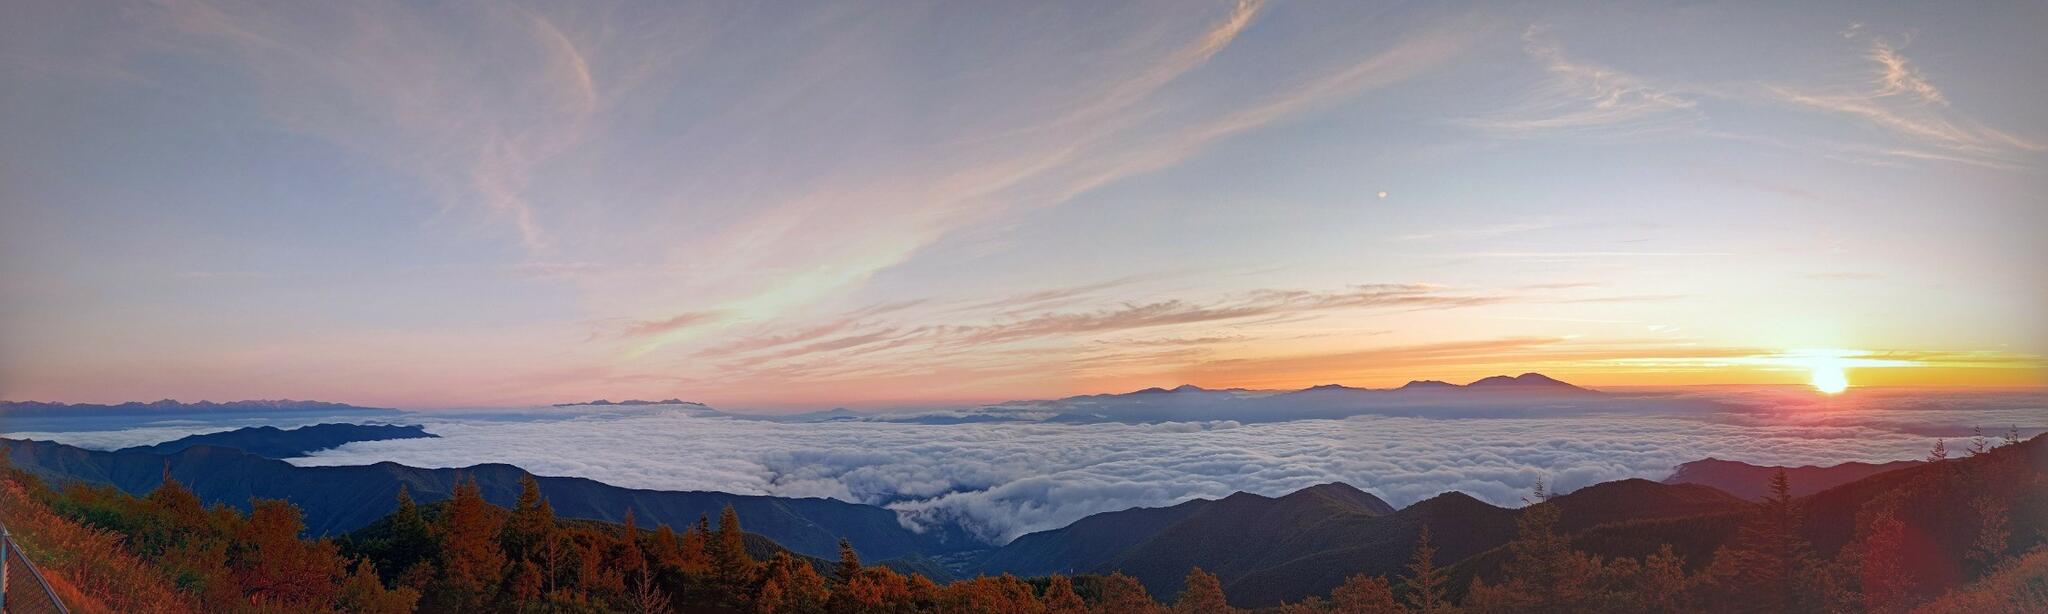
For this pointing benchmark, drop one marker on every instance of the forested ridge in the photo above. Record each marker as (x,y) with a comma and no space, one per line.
(1963,532)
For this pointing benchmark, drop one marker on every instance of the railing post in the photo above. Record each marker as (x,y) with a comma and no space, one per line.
(6,541)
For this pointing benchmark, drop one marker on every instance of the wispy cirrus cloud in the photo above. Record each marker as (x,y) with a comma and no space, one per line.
(1254,304)
(644,328)
(1580,97)
(393,84)
(1587,99)
(979,179)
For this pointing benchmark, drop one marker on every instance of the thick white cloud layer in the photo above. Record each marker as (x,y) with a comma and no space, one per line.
(1002,480)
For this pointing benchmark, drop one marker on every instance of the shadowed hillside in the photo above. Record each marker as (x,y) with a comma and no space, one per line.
(340,499)
(1751,481)
(273,442)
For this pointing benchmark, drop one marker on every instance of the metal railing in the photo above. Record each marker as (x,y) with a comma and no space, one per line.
(22,587)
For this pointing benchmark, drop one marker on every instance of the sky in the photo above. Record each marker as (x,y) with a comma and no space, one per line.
(779,207)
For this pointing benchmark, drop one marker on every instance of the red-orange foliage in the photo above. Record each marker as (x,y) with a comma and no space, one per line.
(472,561)
(89,567)
(1060,597)
(1363,594)
(275,566)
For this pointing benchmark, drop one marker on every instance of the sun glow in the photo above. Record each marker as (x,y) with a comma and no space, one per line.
(1829,378)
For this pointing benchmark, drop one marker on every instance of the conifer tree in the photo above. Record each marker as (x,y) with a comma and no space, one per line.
(1939,453)
(790,586)
(526,583)
(2012,435)
(1123,594)
(363,593)
(1060,598)
(732,544)
(1978,444)
(1201,594)
(1987,550)
(646,596)
(411,542)
(1425,583)
(666,551)
(849,563)
(1541,565)
(1363,594)
(471,562)
(1003,593)
(631,557)
(275,566)
(731,568)
(1662,585)
(696,547)
(173,500)
(531,524)
(1769,565)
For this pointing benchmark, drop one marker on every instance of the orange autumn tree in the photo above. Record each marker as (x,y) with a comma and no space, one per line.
(1121,593)
(1059,597)
(732,569)
(1202,594)
(275,566)
(472,561)
(1363,594)
(790,586)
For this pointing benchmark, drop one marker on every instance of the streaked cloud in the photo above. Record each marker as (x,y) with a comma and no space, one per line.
(1583,97)
(667,325)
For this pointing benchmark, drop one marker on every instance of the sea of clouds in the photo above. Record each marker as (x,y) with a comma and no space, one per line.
(1001,480)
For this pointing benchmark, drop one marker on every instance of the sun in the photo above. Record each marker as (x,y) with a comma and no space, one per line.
(1829,379)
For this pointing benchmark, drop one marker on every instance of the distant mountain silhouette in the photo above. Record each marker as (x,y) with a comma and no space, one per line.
(340,499)
(272,442)
(38,409)
(1428,385)
(1526,382)
(607,403)
(1272,549)
(1752,481)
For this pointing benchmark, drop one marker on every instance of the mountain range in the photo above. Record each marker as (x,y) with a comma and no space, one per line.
(1752,482)
(1269,549)
(28,409)
(273,442)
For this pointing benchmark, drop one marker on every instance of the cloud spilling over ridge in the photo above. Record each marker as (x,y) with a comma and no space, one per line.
(1001,480)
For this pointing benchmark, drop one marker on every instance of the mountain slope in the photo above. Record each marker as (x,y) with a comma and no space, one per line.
(1460,526)
(272,442)
(340,499)
(1752,482)
(1243,533)
(1268,550)
(1087,543)
(1943,509)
